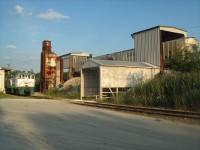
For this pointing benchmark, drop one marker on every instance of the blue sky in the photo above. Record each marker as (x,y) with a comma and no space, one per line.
(92,26)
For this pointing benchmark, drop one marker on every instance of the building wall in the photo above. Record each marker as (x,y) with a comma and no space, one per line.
(169,47)
(90,82)
(58,65)
(125,76)
(127,55)
(105,80)
(147,46)
(74,63)
(2,81)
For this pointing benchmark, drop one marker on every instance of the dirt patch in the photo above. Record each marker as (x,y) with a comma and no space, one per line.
(73,82)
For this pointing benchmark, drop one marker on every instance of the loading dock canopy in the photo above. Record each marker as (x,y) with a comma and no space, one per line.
(106,78)
(97,63)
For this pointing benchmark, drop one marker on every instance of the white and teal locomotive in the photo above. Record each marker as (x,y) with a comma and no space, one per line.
(21,84)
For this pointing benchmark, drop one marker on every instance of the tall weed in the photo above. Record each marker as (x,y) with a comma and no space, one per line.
(175,91)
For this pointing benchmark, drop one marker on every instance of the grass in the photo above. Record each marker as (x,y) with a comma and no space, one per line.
(180,91)
(8,96)
(67,92)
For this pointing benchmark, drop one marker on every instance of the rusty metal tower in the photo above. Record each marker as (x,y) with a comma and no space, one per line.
(48,67)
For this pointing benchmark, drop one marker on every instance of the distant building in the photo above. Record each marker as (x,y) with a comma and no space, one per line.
(126,55)
(72,62)
(108,75)
(156,44)
(2,78)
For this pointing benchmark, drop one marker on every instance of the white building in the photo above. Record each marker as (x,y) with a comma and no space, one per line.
(106,78)
(2,78)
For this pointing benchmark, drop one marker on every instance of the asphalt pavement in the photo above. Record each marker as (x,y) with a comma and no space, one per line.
(40,124)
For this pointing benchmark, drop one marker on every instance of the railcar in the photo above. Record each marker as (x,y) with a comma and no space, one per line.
(21,84)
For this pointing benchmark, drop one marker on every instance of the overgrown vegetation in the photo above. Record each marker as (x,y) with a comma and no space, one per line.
(186,59)
(178,90)
(69,92)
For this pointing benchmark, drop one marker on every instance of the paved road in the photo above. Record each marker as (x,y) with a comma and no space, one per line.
(36,124)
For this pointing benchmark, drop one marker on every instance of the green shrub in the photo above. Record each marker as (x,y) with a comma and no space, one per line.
(67,92)
(176,91)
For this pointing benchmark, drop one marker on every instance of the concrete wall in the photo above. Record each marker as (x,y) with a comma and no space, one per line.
(94,81)
(2,81)
(125,76)
(90,82)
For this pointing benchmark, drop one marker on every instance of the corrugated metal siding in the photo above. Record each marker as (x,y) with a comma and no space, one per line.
(127,55)
(169,47)
(147,46)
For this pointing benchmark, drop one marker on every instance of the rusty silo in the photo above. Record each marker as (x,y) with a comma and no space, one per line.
(48,67)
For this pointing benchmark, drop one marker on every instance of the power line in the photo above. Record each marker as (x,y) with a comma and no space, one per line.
(192,27)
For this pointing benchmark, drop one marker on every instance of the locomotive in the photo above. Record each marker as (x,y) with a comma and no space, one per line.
(21,84)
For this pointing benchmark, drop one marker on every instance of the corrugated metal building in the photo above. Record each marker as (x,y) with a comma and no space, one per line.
(126,55)
(149,43)
(106,79)
(74,62)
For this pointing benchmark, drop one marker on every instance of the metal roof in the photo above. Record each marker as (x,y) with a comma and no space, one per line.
(76,54)
(132,49)
(158,27)
(6,69)
(122,63)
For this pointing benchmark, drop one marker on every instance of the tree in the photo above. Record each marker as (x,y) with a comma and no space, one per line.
(185,60)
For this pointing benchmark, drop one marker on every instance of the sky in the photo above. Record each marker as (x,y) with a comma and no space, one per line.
(96,27)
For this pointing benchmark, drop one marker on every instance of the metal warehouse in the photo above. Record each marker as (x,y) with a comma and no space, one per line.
(149,43)
(126,55)
(106,79)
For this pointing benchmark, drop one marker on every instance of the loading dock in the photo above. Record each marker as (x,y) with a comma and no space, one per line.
(106,79)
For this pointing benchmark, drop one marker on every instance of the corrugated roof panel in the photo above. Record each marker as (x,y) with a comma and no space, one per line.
(122,63)
(164,28)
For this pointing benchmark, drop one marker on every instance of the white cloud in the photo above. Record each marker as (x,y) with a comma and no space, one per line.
(52,15)
(19,10)
(30,14)
(10,46)
(34,58)
(8,58)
